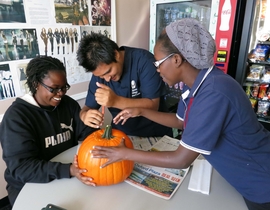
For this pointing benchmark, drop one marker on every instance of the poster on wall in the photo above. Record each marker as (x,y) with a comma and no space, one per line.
(18,43)
(6,82)
(73,12)
(30,28)
(83,12)
(12,11)
(58,40)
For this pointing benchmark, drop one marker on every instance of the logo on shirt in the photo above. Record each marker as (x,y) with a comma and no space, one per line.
(63,125)
(134,89)
(60,137)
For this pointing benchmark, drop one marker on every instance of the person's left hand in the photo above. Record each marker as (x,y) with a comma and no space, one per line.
(105,96)
(113,154)
(77,172)
(125,114)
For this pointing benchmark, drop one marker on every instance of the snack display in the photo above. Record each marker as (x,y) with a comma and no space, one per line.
(255,72)
(260,53)
(257,68)
(263,107)
(259,96)
(253,102)
(263,34)
(248,89)
(262,91)
(266,75)
(268,93)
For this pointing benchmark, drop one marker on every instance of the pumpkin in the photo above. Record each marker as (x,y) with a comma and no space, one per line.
(112,174)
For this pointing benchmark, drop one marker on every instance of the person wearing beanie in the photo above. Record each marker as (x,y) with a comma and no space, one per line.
(214,112)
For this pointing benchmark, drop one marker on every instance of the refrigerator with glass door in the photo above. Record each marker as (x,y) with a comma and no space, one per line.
(222,18)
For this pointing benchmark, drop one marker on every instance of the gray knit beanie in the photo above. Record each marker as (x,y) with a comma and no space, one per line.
(193,41)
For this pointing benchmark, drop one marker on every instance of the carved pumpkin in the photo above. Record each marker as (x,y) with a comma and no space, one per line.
(113,173)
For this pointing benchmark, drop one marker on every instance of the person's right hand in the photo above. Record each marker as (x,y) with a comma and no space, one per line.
(77,172)
(93,118)
(125,114)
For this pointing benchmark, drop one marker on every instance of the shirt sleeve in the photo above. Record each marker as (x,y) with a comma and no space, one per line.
(90,100)
(151,84)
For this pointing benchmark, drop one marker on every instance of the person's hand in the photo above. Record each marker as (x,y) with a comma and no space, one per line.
(105,96)
(126,114)
(113,154)
(77,172)
(93,118)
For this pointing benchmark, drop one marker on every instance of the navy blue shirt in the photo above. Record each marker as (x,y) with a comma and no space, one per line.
(221,124)
(139,80)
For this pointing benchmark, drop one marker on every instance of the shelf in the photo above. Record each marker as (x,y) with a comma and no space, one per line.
(263,63)
(265,120)
(254,83)
(266,42)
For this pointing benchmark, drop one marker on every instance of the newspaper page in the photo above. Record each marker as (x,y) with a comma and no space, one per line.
(143,143)
(162,182)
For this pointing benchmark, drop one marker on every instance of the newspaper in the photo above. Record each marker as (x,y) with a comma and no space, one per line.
(143,143)
(162,182)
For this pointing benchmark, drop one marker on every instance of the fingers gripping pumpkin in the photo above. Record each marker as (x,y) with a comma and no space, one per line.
(113,173)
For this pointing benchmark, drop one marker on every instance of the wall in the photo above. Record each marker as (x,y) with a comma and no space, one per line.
(132,29)
(132,23)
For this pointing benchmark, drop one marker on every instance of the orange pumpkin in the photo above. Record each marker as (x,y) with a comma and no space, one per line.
(113,173)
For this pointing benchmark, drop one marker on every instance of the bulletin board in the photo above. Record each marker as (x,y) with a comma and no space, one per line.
(29,28)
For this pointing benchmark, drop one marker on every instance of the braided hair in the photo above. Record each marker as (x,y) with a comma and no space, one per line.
(38,68)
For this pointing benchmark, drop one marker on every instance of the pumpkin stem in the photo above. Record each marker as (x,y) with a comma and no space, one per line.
(108,132)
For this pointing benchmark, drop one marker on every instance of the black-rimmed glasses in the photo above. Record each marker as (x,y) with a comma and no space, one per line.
(158,63)
(56,90)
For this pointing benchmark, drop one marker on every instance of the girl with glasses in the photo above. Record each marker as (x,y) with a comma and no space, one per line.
(214,112)
(40,125)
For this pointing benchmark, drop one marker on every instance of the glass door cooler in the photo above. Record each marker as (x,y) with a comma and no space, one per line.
(219,17)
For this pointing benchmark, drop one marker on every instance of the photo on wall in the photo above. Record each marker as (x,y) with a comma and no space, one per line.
(21,67)
(12,11)
(6,83)
(75,72)
(101,12)
(17,44)
(59,40)
(75,12)
(96,29)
